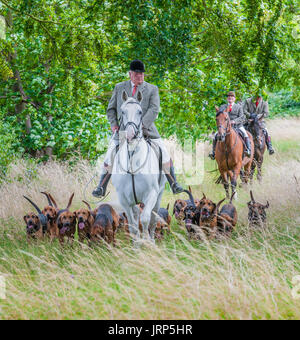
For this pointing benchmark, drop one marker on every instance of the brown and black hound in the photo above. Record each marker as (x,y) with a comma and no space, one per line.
(85,221)
(227,218)
(105,224)
(66,223)
(36,224)
(257,215)
(50,211)
(208,217)
(163,224)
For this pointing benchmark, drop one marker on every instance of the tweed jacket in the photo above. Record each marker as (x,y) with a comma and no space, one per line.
(236,114)
(150,106)
(249,107)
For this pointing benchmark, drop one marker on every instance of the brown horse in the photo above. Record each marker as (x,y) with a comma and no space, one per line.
(254,127)
(229,152)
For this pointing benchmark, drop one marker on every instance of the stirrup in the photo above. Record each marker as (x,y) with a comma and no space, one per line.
(176,188)
(248,152)
(212,156)
(98,192)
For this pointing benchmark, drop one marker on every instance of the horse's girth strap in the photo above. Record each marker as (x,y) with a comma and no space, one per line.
(133,189)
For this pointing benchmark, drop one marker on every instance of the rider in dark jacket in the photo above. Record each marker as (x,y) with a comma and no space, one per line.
(237,119)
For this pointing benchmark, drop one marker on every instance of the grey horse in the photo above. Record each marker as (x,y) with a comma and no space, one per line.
(137,161)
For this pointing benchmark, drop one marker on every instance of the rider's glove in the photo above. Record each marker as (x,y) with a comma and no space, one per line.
(115,128)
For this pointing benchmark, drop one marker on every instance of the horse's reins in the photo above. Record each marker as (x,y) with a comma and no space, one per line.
(235,142)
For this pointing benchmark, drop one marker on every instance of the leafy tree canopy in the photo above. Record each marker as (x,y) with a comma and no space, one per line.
(60,59)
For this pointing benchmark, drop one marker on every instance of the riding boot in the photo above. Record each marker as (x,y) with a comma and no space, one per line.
(101,188)
(248,146)
(212,155)
(269,143)
(176,188)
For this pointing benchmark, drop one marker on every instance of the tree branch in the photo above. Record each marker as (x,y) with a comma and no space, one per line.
(29,15)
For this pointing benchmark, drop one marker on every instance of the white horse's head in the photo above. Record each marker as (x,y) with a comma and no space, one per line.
(132,115)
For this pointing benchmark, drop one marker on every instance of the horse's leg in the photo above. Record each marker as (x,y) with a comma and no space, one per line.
(259,166)
(153,221)
(247,169)
(234,176)
(225,183)
(147,212)
(133,223)
(253,166)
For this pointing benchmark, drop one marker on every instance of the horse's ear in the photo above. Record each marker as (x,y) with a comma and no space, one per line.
(217,108)
(124,96)
(139,96)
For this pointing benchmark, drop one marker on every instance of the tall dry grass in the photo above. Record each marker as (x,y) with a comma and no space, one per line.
(247,276)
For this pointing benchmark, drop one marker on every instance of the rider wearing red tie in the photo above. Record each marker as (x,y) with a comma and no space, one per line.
(258,107)
(150,107)
(237,119)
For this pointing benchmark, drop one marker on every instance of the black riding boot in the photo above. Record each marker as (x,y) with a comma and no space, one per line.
(212,155)
(269,143)
(176,188)
(248,146)
(101,188)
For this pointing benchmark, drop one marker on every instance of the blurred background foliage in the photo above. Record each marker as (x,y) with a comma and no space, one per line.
(60,59)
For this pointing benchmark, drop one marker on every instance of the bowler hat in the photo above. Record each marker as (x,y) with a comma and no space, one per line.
(231,93)
(137,66)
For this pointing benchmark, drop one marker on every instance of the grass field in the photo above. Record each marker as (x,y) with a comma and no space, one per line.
(248,276)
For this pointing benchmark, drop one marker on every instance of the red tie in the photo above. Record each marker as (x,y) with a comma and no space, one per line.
(134,90)
(257,101)
(230,107)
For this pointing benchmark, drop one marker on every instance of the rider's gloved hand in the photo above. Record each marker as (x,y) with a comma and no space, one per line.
(114,128)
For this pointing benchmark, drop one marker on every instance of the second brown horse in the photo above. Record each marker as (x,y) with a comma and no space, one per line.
(229,152)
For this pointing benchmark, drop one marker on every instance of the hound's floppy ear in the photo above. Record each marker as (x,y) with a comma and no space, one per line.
(139,96)
(124,96)
(91,219)
(267,205)
(217,108)
(58,221)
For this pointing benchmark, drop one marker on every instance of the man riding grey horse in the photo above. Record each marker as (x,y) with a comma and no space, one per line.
(259,108)
(237,119)
(150,107)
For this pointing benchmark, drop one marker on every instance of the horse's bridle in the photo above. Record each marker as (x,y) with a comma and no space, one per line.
(222,127)
(135,126)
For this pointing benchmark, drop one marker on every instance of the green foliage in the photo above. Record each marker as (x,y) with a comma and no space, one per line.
(7,153)
(61,60)
(284,104)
